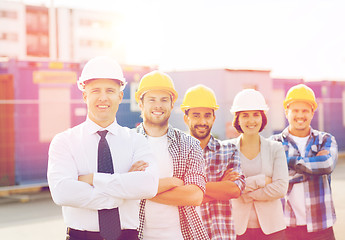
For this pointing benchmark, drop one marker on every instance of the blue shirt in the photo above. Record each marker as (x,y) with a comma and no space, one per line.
(315,173)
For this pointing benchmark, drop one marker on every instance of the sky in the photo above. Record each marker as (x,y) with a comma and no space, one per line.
(291,38)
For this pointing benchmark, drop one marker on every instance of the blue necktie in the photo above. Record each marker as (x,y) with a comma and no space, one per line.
(109,219)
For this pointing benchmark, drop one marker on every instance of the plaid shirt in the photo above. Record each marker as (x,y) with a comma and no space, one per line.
(315,173)
(188,165)
(216,215)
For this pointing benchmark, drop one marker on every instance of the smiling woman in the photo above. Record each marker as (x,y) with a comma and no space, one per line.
(263,163)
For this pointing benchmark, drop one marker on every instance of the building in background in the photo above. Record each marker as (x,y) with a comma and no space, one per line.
(26,33)
(12,29)
(39,65)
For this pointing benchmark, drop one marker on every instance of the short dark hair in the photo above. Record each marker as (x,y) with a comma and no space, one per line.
(186,112)
(238,128)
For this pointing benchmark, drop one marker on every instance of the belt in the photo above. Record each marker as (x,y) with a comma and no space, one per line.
(130,234)
(87,235)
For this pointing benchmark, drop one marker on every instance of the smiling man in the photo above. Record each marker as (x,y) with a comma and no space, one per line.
(171,214)
(224,176)
(98,171)
(311,157)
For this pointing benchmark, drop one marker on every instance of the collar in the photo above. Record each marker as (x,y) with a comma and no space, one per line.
(92,127)
(170,133)
(286,133)
(213,144)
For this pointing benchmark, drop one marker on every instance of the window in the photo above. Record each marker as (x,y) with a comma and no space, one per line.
(13,37)
(8,14)
(37,31)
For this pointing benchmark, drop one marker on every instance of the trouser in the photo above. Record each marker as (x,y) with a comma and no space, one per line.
(258,234)
(73,234)
(301,233)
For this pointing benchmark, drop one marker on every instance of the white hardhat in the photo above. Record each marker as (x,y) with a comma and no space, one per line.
(247,100)
(101,67)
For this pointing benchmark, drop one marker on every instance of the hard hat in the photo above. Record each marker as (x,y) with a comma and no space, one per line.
(199,96)
(156,80)
(247,100)
(101,67)
(301,93)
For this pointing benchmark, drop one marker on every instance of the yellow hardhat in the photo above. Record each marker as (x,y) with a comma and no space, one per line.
(300,93)
(156,80)
(199,96)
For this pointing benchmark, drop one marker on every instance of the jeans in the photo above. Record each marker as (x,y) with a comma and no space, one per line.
(258,234)
(301,233)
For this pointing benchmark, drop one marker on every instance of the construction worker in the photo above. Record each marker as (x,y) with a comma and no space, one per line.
(258,213)
(98,171)
(311,157)
(224,178)
(171,214)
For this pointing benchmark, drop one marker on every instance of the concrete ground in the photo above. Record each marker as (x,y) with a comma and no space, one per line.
(36,217)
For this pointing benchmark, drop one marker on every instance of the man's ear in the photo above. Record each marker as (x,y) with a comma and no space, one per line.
(84,96)
(185,118)
(140,104)
(121,96)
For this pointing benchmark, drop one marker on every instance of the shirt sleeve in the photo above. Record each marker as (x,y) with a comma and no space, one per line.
(63,181)
(236,166)
(132,185)
(317,164)
(195,173)
(254,182)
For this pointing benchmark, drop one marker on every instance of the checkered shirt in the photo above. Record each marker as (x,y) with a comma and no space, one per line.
(315,173)
(216,215)
(188,164)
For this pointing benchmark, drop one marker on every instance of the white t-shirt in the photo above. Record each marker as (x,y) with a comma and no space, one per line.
(161,221)
(296,197)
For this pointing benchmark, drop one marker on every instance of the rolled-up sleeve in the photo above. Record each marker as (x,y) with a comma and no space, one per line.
(195,173)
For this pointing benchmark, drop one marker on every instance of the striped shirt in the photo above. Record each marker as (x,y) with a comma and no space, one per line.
(217,215)
(188,164)
(315,173)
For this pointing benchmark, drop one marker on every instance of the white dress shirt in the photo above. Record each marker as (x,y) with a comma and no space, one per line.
(74,152)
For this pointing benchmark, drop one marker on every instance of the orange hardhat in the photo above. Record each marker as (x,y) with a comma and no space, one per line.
(300,93)
(156,80)
(199,96)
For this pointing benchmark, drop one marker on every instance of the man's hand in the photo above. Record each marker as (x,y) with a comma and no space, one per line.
(322,153)
(86,178)
(230,175)
(139,166)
